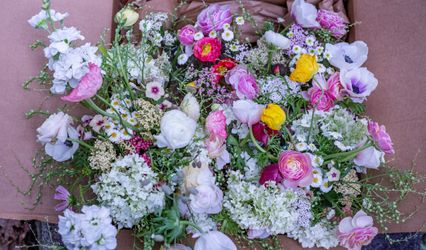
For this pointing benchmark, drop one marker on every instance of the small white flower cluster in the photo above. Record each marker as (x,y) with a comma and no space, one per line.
(69,64)
(259,207)
(251,169)
(151,27)
(91,229)
(129,190)
(276,89)
(323,234)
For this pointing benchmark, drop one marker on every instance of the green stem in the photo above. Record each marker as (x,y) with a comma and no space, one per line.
(270,156)
(347,154)
(313,110)
(82,143)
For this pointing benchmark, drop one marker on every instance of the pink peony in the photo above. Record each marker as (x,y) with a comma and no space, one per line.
(186,35)
(333,22)
(321,101)
(214,17)
(295,168)
(243,82)
(88,86)
(216,124)
(270,173)
(381,137)
(207,49)
(357,231)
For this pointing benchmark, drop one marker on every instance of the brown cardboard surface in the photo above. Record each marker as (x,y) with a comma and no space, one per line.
(394,31)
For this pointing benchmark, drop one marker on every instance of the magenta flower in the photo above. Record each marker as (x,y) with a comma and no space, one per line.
(295,168)
(214,17)
(262,133)
(243,82)
(216,124)
(186,34)
(334,86)
(270,173)
(381,137)
(357,231)
(333,22)
(88,86)
(319,100)
(62,194)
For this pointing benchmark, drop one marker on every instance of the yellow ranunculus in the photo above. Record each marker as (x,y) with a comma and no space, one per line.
(273,116)
(306,68)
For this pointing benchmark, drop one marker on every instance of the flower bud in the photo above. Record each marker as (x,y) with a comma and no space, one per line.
(127,17)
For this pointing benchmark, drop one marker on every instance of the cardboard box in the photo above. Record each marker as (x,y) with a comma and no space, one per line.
(394,31)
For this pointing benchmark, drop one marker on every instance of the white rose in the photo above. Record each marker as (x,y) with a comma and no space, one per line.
(177,130)
(369,158)
(358,83)
(347,56)
(214,240)
(277,39)
(305,14)
(207,199)
(247,111)
(54,128)
(190,106)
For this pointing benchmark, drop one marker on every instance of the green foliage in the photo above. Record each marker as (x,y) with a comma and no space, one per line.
(354,107)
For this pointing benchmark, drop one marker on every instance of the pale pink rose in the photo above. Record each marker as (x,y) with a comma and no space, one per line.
(357,231)
(334,87)
(247,111)
(88,86)
(321,101)
(295,168)
(243,82)
(216,124)
(333,22)
(214,17)
(186,34)
(381,137)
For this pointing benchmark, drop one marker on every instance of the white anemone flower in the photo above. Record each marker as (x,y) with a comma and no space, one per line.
(305,14)
(358,83)
(347,56)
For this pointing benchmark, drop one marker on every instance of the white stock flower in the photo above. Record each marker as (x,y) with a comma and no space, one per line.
(358,83)
(347,56)
(40,20)
(305,14)
(214,240)
(206,199)
(190,106)
(177,130)
(277,39)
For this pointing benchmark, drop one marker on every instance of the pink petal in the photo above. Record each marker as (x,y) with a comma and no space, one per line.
(88,86)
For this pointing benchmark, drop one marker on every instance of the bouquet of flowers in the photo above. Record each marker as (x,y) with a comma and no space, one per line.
(194,131)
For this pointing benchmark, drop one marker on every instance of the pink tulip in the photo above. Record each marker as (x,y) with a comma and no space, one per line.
(88,86)
(216,124)
(381,137)
(357,231)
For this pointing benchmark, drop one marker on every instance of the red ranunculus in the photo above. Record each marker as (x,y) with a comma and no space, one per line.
(262,133)
(270,173)
(207,49)
(222,67)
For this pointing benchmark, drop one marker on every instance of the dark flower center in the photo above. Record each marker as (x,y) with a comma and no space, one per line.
(348,59)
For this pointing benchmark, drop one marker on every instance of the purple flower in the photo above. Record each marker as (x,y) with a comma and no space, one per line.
(62,194)
(186,34)
(333,22)
(381,137)
(243,82)
(214,17)
(358,83)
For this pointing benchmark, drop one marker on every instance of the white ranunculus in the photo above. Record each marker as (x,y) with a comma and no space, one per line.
(305,14)
(206,199)
(277,39)
(369,158)
(247,111)
(63,150)
(190,106)
(196,176)
(177,130)
(358,83)
(54,128)
(214,240)
(347,56)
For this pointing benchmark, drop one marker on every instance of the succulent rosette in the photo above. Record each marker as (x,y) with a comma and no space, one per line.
(195,132)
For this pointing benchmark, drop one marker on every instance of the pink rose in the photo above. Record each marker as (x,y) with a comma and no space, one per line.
(334,87)
(243,82)
(88,86)
(214,17)
(333,22)
(381,137)
(357,231)
(295,168)
(216,124)
(319,100)
(186,35)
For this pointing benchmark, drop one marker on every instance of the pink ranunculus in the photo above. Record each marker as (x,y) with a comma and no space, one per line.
(214,17)
(216,124)
(295,168)
(186,35)
(88,86)
(334,86)
(381,137)
(247,111)
(243,82)
(333,22)
(215,146)
(357,231)
(270,173)
(207,49)
(319,100)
